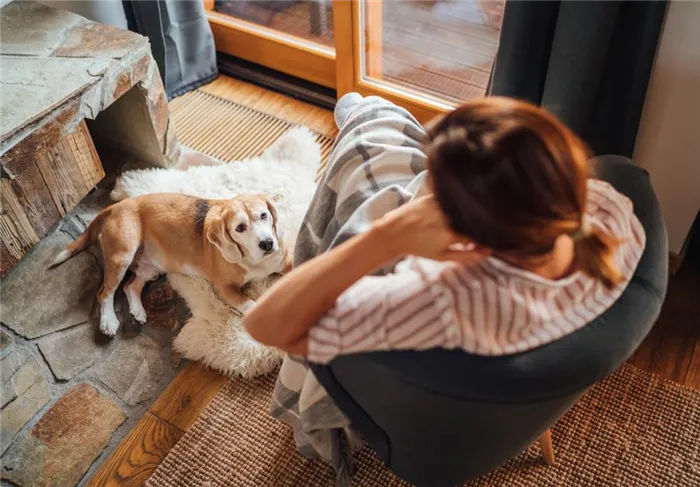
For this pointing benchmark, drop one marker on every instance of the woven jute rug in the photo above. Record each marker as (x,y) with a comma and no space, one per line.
(633,429)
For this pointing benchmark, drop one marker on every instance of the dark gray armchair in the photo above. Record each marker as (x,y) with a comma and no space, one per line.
(439,418)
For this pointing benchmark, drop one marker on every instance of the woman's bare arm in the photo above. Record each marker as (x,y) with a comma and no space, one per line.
(285,313)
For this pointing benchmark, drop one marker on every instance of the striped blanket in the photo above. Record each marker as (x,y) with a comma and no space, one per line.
(377,164)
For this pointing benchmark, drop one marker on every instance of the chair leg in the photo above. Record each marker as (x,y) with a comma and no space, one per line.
(545,442)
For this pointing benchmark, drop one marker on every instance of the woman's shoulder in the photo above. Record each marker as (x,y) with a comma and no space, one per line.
(612,210)
(600,192)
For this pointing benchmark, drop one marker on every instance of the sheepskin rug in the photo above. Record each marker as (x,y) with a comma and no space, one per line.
(284,173)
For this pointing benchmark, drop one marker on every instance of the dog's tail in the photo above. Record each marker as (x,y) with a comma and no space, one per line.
(88,238)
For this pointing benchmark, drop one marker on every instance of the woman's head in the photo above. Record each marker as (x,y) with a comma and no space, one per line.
(513,178)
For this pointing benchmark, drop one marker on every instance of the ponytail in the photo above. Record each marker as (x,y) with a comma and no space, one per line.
(594,255)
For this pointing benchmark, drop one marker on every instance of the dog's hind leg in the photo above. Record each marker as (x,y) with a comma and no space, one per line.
(115,269)
(134,288)
(120,240)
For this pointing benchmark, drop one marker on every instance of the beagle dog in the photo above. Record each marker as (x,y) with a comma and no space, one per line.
(227,242)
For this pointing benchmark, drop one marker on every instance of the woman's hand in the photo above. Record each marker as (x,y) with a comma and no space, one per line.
(420,228)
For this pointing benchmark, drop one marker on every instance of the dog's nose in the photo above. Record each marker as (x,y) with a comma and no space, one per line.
(266,245)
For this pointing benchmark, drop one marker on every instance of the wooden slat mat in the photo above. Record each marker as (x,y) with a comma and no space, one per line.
(229,131)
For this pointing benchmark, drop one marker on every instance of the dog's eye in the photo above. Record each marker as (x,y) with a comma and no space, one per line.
(263,216)
(241,228)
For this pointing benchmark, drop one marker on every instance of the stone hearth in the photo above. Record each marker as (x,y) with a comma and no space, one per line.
(69,393)
(80,100)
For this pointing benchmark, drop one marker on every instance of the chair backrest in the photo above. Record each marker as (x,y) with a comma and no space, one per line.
(441,417)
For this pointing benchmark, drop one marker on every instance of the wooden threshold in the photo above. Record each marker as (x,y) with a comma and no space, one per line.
(274,80)
(157,432)
(187,395)
(138,455)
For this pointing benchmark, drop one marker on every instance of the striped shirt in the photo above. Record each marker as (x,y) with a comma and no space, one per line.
(488,308)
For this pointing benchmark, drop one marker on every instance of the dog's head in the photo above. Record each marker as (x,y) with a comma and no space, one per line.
(245,230)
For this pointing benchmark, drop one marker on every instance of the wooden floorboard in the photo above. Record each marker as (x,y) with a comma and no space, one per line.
(692,379)
(138,455)
(145,447)
(672,349)
(187,395)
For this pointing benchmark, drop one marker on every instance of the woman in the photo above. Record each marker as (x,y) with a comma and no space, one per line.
(514,246)
(485,233)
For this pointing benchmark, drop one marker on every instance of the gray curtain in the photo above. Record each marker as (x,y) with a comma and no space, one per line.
(588,62)
(181,41)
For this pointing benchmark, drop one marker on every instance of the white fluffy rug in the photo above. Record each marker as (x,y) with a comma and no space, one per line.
(285,173)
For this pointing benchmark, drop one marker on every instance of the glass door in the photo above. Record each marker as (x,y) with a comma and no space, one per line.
(427,56)
(294,37)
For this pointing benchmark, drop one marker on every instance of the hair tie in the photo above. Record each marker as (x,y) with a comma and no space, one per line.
(582,231)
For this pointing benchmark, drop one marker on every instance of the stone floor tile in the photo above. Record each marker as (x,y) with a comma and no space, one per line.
(31,393)
(5,340)
(71,352)
(37,301)
(17,374)
(62,445)
(136,367)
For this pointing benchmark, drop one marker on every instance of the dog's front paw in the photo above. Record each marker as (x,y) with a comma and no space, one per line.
(109,325)
(139,315)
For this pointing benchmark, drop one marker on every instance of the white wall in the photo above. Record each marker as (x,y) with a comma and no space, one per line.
(668,143)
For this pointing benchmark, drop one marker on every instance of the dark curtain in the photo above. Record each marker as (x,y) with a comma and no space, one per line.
(181,41)
(588,62)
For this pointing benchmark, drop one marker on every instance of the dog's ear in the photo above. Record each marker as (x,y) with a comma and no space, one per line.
(218,235)
(273,212)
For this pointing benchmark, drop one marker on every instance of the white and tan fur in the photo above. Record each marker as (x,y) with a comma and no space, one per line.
(227,242)
(285,173)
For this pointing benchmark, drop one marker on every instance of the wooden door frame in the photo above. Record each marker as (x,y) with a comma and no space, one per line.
(273,49)
(350,55)
(340,68)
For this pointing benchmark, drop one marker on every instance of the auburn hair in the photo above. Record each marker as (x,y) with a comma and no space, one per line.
(513,178)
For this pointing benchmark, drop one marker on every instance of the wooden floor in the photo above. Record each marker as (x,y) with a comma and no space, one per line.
(672,349)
